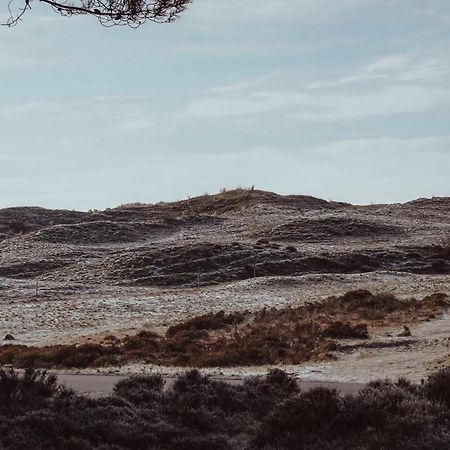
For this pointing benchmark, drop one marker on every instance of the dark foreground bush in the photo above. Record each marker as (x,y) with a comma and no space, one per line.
(196,412)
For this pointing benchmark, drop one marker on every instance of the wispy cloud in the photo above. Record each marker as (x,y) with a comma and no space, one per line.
(387,102)
(399,68)
(30,107)
(12,62)
(359,171)
(246,84)
(137,124)
(390,85)
(256,11)
(122,98)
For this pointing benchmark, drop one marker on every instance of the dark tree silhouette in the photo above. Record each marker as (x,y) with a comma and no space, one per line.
(109,12)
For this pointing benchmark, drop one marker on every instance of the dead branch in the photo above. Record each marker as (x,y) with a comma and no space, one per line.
(109,12)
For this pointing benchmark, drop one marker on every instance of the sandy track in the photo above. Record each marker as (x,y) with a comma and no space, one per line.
(104,384)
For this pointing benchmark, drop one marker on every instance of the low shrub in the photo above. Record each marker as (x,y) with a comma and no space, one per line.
(197,412)
(58,356)
(18,225)
(269,336)
(342,330)
(29,390)
(437,387)
(213,321)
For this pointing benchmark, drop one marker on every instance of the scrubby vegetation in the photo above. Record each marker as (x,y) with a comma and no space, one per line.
(17,225)
(196,412)
(269,336)
(330,228)
(216,321)
(191,264)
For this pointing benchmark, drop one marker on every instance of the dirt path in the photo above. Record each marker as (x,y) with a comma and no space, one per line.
(104,384)
(424,352)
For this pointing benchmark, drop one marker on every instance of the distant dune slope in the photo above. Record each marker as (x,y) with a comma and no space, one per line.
(232,235)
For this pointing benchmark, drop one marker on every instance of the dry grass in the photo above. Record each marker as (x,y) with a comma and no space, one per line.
(275,336)
(217,321)
(17,225)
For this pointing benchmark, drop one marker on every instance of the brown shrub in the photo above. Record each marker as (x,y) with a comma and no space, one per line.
(342,330)
(268,336)
(211,321)
(144,339)
(362,304)
(17,225)
(58,356)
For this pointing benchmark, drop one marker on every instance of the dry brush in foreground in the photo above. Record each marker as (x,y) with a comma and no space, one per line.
(270,336)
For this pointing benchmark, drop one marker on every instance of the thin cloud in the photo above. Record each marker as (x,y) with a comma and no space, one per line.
(29,107)
(245,85)
(233,12)
(12,62)
(391,101)
(137,124)
(122,98)
(395,68)
(386,102)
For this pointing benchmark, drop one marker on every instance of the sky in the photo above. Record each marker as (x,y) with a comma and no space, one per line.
(345,100)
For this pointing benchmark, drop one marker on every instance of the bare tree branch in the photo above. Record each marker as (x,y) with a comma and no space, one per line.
(14,19)
(109,12)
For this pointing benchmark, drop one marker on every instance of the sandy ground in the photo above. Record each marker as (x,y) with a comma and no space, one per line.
(384,356)
(60,290)
(57,317)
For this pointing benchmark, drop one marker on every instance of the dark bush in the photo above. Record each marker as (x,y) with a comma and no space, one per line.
(59,356)
(140,389)
(437,387)
(301,419)
(212,321)
(342,330)
(18,225)
(29,390)
(197,412)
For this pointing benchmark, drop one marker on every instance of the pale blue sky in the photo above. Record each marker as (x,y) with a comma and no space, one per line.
(348,100)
